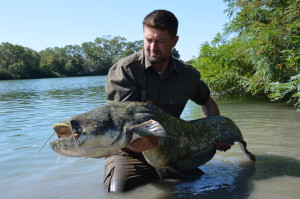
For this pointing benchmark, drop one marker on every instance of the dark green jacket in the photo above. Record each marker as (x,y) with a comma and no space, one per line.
(133,79)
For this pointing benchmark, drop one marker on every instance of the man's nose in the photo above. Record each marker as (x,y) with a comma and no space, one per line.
(154,45)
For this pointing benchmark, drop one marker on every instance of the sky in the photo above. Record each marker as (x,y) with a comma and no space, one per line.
(39,24)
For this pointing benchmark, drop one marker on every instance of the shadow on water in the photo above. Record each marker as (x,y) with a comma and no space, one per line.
(236,182)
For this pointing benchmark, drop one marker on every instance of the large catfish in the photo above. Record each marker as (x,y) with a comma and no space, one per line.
(183,145)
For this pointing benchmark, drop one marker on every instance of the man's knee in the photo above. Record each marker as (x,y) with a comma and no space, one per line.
(113,184)
(124,172)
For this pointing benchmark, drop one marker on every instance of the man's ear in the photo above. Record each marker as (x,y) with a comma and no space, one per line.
(175,40)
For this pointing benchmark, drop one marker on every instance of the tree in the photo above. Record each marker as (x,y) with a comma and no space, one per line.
(74,61)
(17,62)
(104,52)
(132,47)
(53,61)
(259,48)
(91,58)
(66,61)
(175,53)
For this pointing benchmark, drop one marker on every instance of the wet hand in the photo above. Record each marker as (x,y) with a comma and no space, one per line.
(143,144)
(222,146)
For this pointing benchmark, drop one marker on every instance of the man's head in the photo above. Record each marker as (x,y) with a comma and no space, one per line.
(160,35)
(162,20)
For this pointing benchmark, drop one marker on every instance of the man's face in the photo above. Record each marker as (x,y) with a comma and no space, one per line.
(158,44)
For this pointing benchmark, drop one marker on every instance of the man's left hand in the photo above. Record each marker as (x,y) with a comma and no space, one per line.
(222,146)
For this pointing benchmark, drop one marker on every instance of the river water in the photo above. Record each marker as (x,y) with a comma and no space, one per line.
(29,108)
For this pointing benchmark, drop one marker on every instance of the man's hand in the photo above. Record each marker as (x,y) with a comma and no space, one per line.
(143,144)
(222,146)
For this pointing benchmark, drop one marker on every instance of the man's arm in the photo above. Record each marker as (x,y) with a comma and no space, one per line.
(210,108)
(121,85)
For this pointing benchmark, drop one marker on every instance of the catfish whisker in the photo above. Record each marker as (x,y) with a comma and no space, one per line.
(74,137)
(58,159)
(69,161)
(45,144)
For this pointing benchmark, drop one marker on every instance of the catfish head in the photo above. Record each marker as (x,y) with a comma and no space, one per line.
(105,130)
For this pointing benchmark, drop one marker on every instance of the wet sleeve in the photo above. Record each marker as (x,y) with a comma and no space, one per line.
(120,84)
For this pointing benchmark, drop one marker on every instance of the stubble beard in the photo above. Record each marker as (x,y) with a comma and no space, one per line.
(155,59)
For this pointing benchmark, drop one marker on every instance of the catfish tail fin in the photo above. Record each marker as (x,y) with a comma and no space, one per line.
(243,146)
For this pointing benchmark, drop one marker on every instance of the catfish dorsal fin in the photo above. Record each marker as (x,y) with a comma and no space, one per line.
(149,128)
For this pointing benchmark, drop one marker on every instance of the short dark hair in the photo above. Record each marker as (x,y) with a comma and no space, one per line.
(162,19)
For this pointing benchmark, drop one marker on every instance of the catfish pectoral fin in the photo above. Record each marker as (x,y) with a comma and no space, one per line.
(149,128)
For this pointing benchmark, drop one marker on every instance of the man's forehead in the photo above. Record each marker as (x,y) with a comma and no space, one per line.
(157,33)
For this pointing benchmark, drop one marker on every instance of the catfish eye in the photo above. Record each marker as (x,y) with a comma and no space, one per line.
(76,127)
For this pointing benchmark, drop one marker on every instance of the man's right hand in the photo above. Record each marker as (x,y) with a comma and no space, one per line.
(222,146)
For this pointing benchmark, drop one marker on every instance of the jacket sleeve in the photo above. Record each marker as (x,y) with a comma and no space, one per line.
(121,84)
(200,91)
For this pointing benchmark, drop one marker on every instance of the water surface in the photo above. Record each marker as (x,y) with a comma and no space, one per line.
(29,108)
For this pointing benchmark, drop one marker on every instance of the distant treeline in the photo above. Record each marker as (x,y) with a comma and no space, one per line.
(91,58)
(258,53)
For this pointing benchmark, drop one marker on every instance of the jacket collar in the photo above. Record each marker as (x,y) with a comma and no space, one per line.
(171,67)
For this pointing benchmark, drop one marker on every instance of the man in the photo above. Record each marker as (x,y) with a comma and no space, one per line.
(153,75)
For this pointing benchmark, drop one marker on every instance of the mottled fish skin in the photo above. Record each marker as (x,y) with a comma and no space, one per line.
(192,143)
(183,145)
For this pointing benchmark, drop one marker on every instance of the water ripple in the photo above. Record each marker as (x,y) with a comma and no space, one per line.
(29,108)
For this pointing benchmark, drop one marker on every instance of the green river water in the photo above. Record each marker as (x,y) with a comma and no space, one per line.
(29,108)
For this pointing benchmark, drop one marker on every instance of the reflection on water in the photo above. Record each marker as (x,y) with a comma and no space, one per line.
(231,180)
(29,108)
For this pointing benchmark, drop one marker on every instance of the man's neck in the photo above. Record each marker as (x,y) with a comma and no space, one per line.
(161,67)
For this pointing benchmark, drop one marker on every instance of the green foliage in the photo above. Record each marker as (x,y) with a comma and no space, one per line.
(175,53)
(132,47)
(92,58)
(290,90)
(258,50)
(221,66)
(103,52)
(59,62)
(17,62)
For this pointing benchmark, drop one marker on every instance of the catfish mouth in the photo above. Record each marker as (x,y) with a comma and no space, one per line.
(75,141)
(67,130)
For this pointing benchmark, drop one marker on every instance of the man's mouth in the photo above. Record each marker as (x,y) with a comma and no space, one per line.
(155,53)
